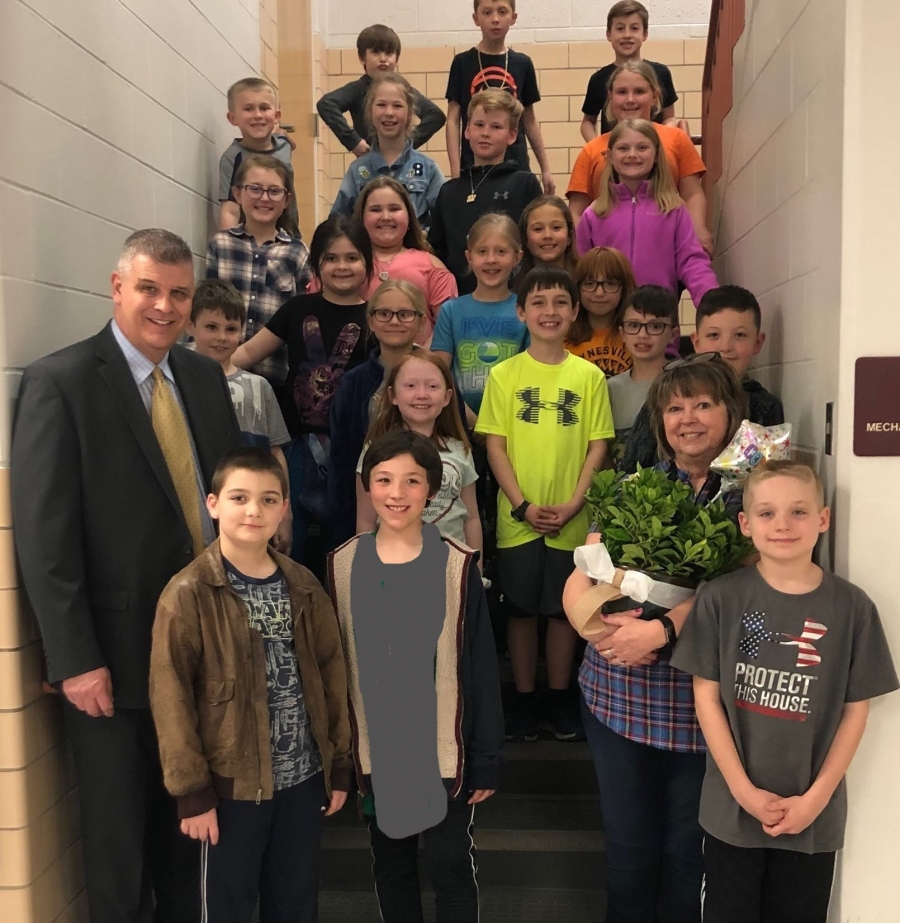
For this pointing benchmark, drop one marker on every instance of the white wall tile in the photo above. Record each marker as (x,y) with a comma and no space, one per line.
(792,144)
(119,108)
(427,22)
(49,317)
(35,166)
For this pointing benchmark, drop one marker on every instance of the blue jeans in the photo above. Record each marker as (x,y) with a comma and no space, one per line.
(650,800)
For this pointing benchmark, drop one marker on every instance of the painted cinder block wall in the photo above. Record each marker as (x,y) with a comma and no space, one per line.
(118,108)
(803,221)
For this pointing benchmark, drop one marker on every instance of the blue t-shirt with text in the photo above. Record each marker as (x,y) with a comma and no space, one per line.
(478,334)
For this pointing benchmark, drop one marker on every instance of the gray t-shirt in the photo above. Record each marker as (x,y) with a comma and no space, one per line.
(235,152)
(626,397)
(295,755)
(257,410)
(447,510)
(787,664)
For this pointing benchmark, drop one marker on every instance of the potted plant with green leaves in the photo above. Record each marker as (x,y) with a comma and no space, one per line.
(657,546)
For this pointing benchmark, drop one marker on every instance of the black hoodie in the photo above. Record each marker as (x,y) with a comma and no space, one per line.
(502,187)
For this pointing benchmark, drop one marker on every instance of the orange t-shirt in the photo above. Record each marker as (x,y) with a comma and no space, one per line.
(681,155)
(606,350)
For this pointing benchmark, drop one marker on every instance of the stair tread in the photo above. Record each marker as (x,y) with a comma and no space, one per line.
(351,869)
(519,839)
(497,906)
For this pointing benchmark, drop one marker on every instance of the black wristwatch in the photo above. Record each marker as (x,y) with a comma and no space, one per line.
(519,512)
(669,625)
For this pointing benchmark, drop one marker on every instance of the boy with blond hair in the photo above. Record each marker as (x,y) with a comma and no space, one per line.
(785,658)
(493,183)
(253,110)
(378,48)
(491,65)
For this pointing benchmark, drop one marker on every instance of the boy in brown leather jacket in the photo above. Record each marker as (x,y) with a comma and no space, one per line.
(249,696)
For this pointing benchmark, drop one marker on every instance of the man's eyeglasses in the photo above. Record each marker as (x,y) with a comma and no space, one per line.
(610,286)
(654,327)
(386,315)
(255,191)
(696,359)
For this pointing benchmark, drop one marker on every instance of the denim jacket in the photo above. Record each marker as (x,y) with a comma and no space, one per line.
(417,172)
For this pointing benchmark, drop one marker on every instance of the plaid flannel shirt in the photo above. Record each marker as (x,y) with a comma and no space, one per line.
(266,275)
(651,705)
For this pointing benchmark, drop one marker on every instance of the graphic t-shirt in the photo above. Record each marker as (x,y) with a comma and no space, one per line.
(606,349)
(596,96)
(478,334)
(257,410)
(324,341)
(472,71)
(447,510)
(548,414)
(295,756)
(787,664)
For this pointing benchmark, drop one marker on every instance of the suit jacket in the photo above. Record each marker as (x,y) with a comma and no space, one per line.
(98,526)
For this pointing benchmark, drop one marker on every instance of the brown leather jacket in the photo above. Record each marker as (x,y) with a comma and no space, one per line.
(208,686)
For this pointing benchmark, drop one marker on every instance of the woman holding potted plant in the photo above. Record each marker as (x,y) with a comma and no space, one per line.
(638,711)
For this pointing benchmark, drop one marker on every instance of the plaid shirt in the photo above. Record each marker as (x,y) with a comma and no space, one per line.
(266,275)
(651,705)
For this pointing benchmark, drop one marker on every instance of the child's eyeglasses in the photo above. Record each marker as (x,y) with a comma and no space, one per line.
(654,327)
(386,315)
(610,286)
(692,360)
(255,191)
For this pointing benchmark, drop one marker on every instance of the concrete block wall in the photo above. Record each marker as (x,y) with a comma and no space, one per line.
(778,203)
(118,108)
(430,23)
(804,224)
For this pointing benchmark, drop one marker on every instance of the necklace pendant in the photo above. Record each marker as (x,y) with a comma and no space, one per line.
(383,275)
(470,197)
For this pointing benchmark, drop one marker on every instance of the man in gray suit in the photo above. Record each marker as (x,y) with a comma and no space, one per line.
(114,445)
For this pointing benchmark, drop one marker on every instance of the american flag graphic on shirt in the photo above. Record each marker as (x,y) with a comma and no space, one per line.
(756,634)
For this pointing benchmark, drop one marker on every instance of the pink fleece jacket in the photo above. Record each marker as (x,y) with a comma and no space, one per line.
(663,249)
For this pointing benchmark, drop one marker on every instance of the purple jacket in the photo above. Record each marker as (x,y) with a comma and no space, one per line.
(663,249)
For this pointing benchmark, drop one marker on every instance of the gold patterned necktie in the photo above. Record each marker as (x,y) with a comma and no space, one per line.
(175,441)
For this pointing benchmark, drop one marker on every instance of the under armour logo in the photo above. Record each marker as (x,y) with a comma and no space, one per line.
(532,405)
(501,195)
(756,633)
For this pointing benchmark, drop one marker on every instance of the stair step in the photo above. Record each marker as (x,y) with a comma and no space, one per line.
(549,749)
(498,906)
(510,840)
(506,812)
(351,869)
(537,776)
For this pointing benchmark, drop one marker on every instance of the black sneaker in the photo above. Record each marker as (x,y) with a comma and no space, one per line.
(521,727)
(566,723)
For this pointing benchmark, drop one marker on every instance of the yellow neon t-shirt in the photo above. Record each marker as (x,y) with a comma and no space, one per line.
(548,414)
